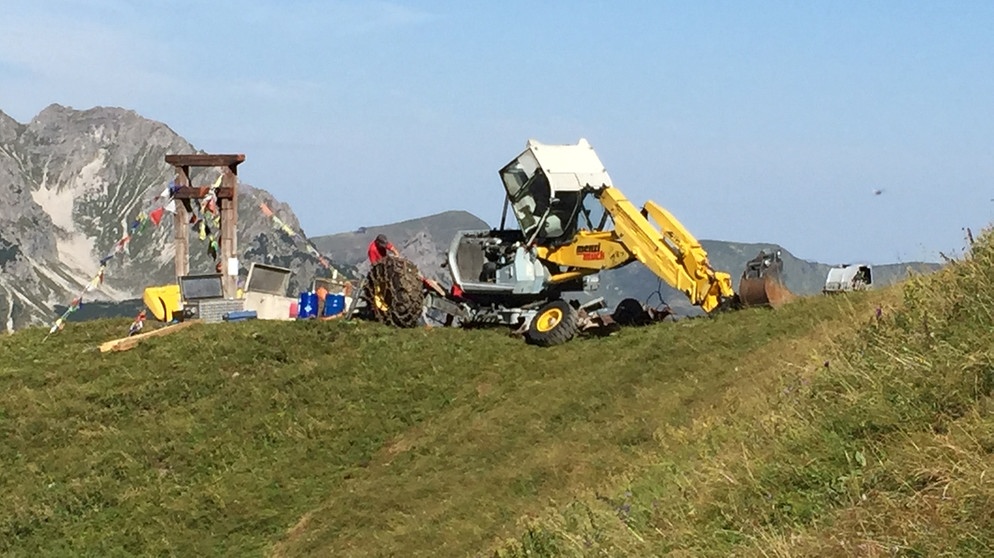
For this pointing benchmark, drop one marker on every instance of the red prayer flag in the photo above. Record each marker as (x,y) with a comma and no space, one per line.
(156,216)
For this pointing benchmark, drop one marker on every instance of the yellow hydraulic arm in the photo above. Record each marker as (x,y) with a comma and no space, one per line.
(670,251)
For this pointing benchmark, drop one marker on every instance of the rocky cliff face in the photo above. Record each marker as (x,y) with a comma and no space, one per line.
(72,181)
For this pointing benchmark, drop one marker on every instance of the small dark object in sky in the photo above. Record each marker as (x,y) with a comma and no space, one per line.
(878,191)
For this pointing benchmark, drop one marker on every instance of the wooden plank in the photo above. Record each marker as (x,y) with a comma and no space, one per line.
(126,343)
(198,192)
(205,160)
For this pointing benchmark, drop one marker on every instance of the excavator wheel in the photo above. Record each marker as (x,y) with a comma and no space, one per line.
(554,324)
(393,292)
(630,312)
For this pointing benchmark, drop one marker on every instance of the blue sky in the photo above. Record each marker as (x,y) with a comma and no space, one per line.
(751,121)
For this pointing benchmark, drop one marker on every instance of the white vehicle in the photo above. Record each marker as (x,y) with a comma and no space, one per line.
(845,278)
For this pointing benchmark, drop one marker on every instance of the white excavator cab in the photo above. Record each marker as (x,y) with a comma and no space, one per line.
(546,186)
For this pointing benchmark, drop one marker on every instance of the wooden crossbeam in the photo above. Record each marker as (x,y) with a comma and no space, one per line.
(205,160)
(199,192)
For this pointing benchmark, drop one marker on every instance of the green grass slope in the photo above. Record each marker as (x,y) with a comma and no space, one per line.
(879,443)
(702,437)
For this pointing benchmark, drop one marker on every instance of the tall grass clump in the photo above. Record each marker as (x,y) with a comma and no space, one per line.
(911,393)
(873,440)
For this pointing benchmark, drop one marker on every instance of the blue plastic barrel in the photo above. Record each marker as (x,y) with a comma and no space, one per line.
(334,304)
(308,305)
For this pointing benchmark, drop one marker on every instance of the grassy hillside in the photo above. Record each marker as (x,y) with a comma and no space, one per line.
(818,429)
(877,442)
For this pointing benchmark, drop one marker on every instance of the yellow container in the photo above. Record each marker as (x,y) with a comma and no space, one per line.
(163,301)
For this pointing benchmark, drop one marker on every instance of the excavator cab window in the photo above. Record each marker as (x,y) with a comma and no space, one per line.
(593,216)
(539,214)
(562,219)
(530,196)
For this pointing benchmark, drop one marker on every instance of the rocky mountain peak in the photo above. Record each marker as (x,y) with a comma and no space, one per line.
(73,180)
(9,128)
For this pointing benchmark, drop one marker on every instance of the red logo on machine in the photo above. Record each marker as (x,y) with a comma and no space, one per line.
(590,252)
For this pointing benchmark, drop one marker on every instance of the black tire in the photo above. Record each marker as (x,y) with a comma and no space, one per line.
(630,312)
(393,292)
(554,324)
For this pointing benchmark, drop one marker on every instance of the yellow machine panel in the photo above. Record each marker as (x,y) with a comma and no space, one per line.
(163,301)
(588,250)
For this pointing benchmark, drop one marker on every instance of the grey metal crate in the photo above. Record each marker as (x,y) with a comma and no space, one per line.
(213,311)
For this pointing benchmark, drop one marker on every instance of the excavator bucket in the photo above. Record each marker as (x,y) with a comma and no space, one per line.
(762,282)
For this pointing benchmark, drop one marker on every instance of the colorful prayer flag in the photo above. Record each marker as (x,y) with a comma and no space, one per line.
(156,216)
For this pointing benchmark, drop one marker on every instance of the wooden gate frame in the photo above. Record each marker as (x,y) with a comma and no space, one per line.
(227,200)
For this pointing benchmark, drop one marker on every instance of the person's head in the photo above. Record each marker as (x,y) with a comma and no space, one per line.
(381,240)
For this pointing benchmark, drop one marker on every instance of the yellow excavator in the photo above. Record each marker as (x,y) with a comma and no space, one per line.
(572,223)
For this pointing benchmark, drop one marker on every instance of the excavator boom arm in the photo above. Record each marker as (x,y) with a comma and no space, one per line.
(668,249)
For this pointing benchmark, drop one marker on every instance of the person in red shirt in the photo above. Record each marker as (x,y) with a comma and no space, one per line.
(379,248)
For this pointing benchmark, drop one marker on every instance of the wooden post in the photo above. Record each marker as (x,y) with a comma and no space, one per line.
(181,227)
(229,226)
